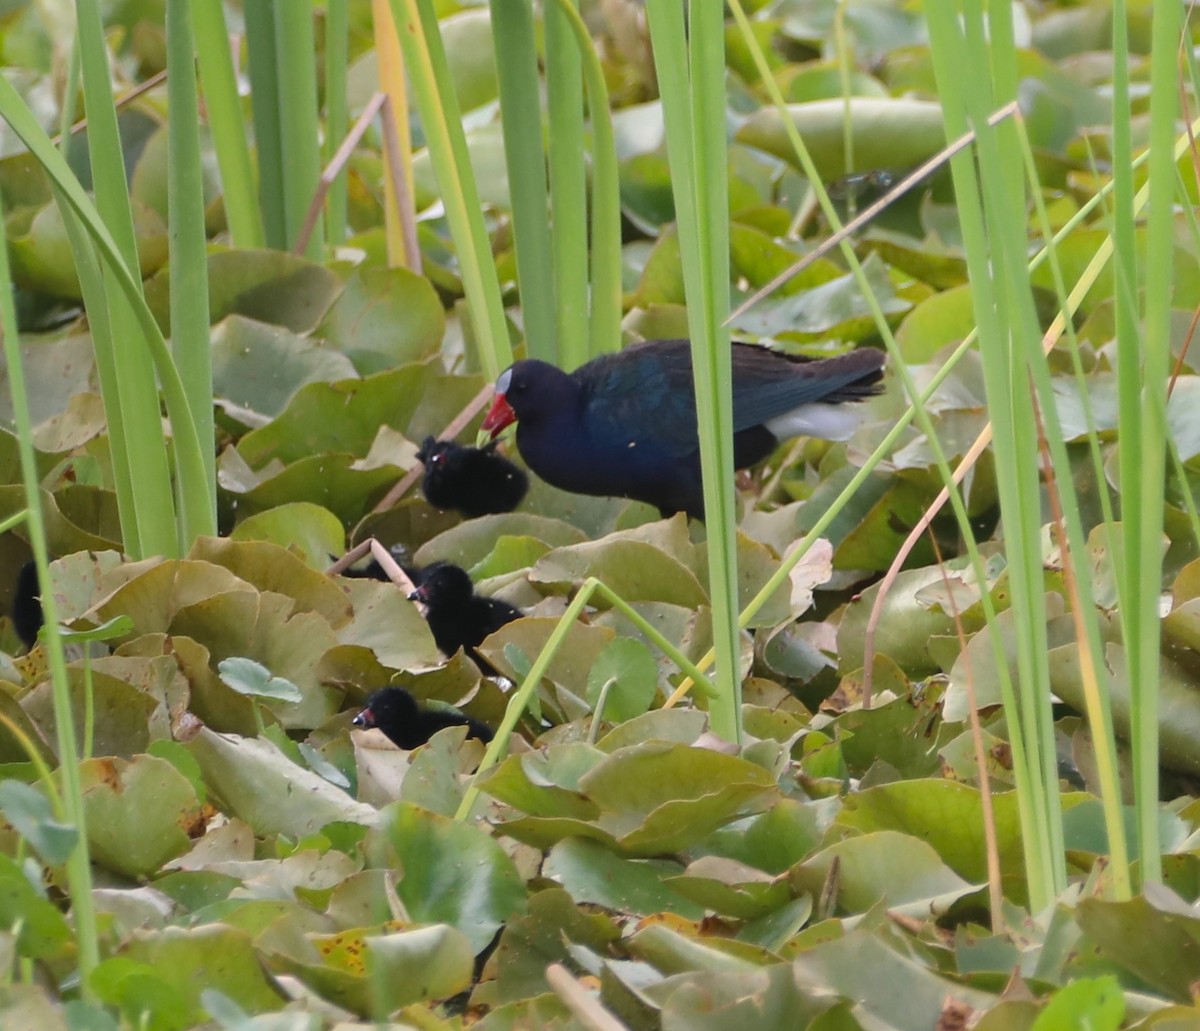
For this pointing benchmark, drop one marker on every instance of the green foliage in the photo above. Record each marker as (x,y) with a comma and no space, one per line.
(260,863)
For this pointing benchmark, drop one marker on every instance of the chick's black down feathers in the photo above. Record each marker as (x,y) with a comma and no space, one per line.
(457,616)
(470,480)
(408,724)
(27,605)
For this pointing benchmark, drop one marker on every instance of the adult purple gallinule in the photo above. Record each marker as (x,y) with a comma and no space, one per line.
(624,424)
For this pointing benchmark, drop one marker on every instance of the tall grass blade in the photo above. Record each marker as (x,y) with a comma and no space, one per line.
(994,236)
(79,869)
(262,63)
(1143,514)
(295,64)
(73,200)
(429,73)
(149,528)
(691,74)
(337,115)
(604,319)
(568,186)
(190,343)
(525,158)
(227,125)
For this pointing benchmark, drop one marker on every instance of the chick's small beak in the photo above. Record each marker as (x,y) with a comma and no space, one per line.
(366,718)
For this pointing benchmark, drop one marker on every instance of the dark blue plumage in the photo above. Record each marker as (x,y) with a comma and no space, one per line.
(624,424)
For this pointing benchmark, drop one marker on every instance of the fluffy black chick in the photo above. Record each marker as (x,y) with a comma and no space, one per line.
(457,616)
(473,481)
(407,724)
(27,605)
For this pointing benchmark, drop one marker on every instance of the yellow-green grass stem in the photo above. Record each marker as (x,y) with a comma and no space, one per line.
(519,700)
(429,74)
(79,872)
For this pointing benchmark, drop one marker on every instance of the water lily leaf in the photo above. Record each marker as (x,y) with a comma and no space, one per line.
(336,482)
(1097,1003)
(254,781)
(890,986)
(659,796)
(41,930)
(625,677)
(592,874)
(384,317)
(634,570)
(570,666)
(511,553)
(546,782)
(469,46)
(905,871)
(138,813)
(270,567)
(414,966)
(485,146)
(259,367)
(339,417)
(313,532)
(945,814)
(265,627)
(542,936)
(731,888)
(453,873)
(886,133)
(122,713)
(682,725)
(470,543)
(181,962)
(905,625)
(386,622)
(275,287)
(1132,933)
(439,770)
(715,1000)
(254,679)
(671,952)
(57,373)
(41,253)
(30,812)
(943,318)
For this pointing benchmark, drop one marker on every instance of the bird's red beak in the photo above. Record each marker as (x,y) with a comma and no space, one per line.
(498,416)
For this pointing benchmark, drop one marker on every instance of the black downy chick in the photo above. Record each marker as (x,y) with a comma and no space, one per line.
(407,724)
(473,481)
(457,616)
(27,605)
